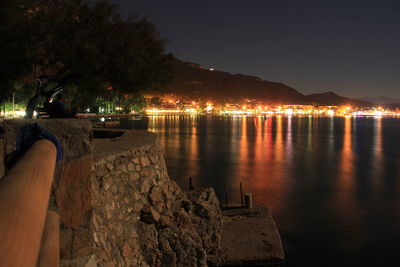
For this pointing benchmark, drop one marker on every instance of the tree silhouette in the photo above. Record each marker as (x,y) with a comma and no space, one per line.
(86,44)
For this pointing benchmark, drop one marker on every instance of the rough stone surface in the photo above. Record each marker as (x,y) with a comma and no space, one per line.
(142,221)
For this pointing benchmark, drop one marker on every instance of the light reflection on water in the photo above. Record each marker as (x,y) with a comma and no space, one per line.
(331,183)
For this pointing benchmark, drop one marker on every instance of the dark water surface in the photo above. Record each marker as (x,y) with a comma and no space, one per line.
(333,184)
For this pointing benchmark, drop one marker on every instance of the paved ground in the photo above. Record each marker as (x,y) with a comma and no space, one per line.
(249,238)
(111,143)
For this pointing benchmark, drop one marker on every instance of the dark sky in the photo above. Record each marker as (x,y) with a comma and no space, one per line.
(349,47)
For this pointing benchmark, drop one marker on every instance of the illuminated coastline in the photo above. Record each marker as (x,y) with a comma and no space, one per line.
(170,107)
(280,110)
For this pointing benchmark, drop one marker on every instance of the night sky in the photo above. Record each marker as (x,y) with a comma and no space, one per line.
(349,47)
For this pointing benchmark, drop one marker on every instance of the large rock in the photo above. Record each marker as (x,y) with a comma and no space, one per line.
(141,217)
(192,231)
(208,218)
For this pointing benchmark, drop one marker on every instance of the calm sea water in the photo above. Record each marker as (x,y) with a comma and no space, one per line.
(333,184)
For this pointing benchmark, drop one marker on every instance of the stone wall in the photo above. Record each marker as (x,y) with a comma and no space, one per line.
(143,218)
(118,206)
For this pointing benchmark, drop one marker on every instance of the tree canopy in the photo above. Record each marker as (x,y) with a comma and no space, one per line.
(86,43)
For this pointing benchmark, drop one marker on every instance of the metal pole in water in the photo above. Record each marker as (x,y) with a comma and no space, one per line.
(190,184)
(248,199)
(241,194)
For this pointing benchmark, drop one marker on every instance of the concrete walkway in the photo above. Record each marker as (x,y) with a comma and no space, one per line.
(249,238)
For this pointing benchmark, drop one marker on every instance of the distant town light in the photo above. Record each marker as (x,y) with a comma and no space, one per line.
(251,107)
(209,107)
(289,112)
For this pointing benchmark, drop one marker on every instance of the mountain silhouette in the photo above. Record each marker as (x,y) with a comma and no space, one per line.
(193,81)
(332,99)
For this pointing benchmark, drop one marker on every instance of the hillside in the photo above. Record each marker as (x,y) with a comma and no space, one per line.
(332,99)
(194,81)
(382,100)
(200,83)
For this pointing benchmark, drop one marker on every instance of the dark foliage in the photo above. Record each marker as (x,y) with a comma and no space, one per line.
(85,44)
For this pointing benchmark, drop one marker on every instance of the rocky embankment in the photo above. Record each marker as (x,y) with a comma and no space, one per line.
(119,207)
(158,224)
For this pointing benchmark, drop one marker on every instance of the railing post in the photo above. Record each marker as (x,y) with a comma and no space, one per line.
(49,255)
(24,198)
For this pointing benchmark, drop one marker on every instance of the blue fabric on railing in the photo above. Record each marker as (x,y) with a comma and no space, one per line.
(31,133)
